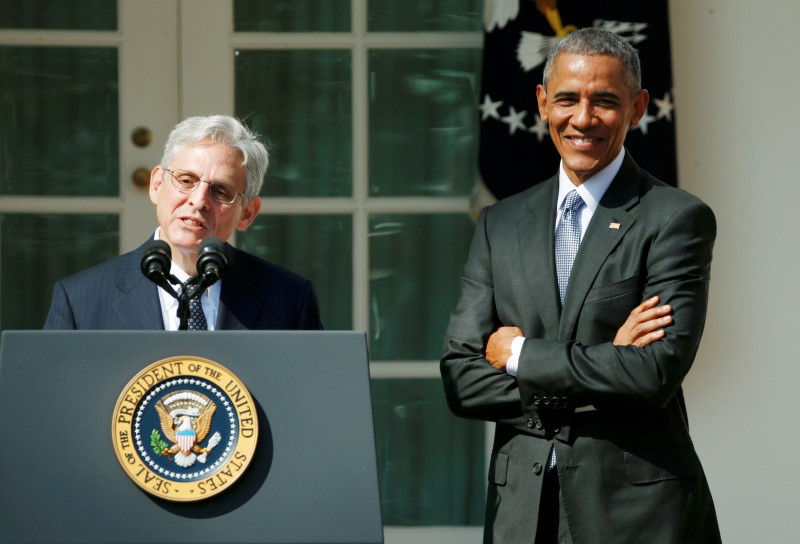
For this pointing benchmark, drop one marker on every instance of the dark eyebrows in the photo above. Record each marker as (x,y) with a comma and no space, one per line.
(601,95)
(607,95)
(565,94)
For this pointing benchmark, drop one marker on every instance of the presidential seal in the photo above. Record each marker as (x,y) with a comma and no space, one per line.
(184,428)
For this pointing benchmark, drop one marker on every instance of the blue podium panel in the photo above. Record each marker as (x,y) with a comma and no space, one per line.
(312,479)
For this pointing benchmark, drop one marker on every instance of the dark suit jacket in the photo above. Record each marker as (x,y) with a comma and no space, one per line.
(628,470)
(115,295)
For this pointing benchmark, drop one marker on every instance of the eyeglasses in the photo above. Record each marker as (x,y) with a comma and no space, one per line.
(186,182)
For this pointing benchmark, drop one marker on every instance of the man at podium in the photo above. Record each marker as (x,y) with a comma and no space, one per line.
(206,185)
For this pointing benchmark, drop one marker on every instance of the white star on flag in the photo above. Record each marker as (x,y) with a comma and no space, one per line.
(489,108)
(644,121)
(540,129)
(665,107)
(514,120)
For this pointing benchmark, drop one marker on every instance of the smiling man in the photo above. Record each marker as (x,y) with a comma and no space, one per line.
(207,185)
(582,306)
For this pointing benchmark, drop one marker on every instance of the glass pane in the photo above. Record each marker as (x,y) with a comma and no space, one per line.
(59,121)
(38,250)
(318,247)
(60,15)
(300,102)
(416,263)
(291,16)
(431,465)
(425,15)
(423,130)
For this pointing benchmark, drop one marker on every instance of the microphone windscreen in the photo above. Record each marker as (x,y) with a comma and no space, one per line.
(156,259)
(212,260)
(211,243)
(159,246)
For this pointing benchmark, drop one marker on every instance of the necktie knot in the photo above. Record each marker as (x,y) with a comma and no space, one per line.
(572,201)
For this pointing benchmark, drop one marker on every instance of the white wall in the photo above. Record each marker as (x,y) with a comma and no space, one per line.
(737,74)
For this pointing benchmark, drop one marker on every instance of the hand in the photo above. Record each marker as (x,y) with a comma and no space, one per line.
(644,324)
(498,348)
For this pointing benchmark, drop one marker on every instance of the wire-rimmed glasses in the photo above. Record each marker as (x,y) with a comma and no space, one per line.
(186,182)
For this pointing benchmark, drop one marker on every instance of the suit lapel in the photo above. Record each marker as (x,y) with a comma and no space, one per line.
(237,309)
(139,307)
(535,238)
(610,222)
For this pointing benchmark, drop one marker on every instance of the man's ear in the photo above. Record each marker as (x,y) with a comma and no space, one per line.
(249,214)
(640,102)
(156,181)
(541,100)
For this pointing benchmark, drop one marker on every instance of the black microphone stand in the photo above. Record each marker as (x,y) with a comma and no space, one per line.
(183,306)
(211,264)
(191,288)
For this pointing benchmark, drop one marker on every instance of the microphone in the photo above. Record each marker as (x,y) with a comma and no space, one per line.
(156,263)
(211,262)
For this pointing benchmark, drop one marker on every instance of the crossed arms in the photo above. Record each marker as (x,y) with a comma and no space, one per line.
(642,360)
(644,325)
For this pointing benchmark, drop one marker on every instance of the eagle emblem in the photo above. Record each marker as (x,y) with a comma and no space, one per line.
(185,418)
(170,417)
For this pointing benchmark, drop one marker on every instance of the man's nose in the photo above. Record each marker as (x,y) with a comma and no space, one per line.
(583,115)
(200,198)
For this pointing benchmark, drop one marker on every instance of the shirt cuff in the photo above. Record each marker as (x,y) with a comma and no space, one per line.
(516,349)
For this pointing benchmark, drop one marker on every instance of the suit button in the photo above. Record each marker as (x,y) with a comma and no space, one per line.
(556,429)
(537,468)
(530,423)
(539,424)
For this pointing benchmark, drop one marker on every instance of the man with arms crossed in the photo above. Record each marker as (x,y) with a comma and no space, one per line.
(592,441)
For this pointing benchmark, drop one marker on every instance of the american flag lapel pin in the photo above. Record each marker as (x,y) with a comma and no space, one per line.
(614,226)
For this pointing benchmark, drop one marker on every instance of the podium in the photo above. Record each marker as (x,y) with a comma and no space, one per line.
(312,477)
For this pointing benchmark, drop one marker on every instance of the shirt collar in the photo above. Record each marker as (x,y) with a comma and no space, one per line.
(593,189)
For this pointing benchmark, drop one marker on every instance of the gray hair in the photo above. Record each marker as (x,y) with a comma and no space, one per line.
(226,130)
(596,41)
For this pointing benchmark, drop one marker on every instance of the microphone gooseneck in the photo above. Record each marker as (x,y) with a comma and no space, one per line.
(211,263)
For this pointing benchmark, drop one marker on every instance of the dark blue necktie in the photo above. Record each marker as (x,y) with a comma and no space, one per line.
(197,319)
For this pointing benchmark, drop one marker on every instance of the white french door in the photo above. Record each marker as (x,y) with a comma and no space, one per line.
(373,135)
